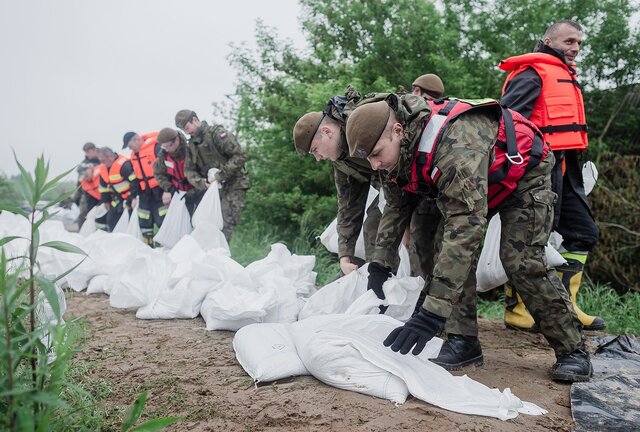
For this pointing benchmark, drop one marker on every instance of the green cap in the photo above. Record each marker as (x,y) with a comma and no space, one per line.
(167,135)
(430,83)
(305,129)
(365,126)
(183,117)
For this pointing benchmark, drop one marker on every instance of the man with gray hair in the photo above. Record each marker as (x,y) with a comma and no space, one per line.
(542,86)
(116,180)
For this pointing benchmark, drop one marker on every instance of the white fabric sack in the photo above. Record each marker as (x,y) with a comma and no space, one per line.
(337,296)
(337,363)
(329,237)
(209,209)
(589,176)
(89,224)
(209,237)
(176,223)
(134,226)
(141,279)
(490,272)
(267,352)
(123,223)
(229,307)
(97,284)
(181,301)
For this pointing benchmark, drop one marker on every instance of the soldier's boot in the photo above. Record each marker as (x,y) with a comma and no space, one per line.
(574,367)
(571,275)
(460,351)
(147,238)
(516,315)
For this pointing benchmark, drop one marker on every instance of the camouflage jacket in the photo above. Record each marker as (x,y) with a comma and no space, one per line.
(214,147)
(463,156)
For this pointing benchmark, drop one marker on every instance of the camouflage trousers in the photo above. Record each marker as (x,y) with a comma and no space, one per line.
(425,221)
(370,228)
(526,217)
(232,203)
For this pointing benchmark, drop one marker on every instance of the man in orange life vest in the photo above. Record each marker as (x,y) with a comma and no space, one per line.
(542,87)
(151,210)
(89,178)
(476,159)
(169,168)
(116,178)
(81,197)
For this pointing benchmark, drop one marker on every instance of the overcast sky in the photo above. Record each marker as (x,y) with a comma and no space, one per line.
(74,71)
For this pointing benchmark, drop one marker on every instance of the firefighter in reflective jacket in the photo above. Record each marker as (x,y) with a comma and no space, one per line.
(542,86)
(169,168)
(151,210)
(447,149)
(89,176)
(116,179)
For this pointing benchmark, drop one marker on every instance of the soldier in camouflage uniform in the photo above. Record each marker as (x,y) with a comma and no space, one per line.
(322,134)
(387,133)
(214,147)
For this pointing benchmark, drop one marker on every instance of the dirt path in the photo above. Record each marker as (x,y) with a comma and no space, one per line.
(193,373)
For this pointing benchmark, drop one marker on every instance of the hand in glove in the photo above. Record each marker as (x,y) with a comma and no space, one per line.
(419,330)
(378,275)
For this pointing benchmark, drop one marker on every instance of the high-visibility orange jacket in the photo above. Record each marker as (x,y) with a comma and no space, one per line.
(559,110)
(144,159)
(92,185)
(116,178)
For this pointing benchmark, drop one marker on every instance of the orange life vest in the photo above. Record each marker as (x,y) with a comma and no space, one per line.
(92,185)
(113,177)
(559,110)
(518,149)
(144,159)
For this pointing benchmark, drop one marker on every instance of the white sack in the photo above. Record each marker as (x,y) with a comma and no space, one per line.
(229,307)
(490,272)
(209,209)
(123,223)
(89,224)
(337,296)
(590,176)
(176,223)
(267,352)
(209,237)
(181,301)
(97,284)
(134,226)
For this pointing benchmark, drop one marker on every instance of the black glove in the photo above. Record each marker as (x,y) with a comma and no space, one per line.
(378,275)
(419,330)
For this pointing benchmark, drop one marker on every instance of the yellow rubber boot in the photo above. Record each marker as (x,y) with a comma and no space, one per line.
(516,315)
(571,275)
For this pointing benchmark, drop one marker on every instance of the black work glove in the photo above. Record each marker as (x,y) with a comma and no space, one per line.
(419,330)
(378,275)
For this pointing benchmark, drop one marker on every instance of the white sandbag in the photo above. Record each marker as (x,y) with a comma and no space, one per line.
(133,229)
(209,237)
(181,301)
(97,284)
(337,296)
(141,279)
(209,209)
(286,306)
(267,352)
(401,296)
(589,176)
(89,224)
(490,272)
(123,223)
(176,223)
(229,307)
(337,363)
(404,268)
(329,237)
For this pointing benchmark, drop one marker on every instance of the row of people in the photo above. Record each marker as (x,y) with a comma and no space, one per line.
(446,166)
(160,164)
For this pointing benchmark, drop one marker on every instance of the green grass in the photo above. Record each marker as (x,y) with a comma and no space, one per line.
(621,313)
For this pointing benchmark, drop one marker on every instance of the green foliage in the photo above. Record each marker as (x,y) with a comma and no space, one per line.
(8,194)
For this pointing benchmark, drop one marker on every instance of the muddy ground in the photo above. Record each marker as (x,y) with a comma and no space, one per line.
(193,373)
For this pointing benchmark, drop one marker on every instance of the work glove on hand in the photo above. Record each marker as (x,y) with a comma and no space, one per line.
(419,330)
(378,275)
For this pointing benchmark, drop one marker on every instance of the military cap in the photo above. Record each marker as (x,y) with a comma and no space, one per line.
(365,126)
(126,138)
(305,129)
(431,84)
(166,135)
(183,117)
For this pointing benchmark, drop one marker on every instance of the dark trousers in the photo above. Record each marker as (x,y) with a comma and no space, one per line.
(113,216)
(151,210)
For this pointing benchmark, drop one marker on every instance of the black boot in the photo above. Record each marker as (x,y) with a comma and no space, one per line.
(460,351)
(574,367)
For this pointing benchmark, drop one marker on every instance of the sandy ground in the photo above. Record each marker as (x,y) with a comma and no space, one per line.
(193,373)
